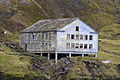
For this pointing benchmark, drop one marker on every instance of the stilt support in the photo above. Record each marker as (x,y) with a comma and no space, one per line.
(41,54)
(96,55)
(70,55)
(48,56)
(82,55)
(56,57)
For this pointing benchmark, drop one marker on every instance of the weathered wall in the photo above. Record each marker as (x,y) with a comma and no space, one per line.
(38,42)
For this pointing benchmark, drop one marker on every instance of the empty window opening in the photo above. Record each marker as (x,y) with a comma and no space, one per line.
(68,45)
(90,46)
(85,46)
(81,46)
(72,36)
(77,37)
(72,45)
(68,36)
(77,28)
(91,37)
(81,37)
(86,37)
(77,45)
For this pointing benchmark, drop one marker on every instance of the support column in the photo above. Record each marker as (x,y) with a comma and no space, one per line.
(56,57)
(96,55)
(41,54)
(70,55)
(48,56)
(82,55)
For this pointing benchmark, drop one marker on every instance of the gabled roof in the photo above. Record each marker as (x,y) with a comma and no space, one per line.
(49,25)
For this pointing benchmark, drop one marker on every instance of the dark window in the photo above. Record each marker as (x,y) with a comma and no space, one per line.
(86,37)
(50,36)
(42,36)
(72,36)
(77,45)
(68,45)
(49,44)
(85,46)
(68,36)
(77,37)
(81,37)
(72,45)
(42,45)
(91,37)
(77,28)
(90,46)
(81,45)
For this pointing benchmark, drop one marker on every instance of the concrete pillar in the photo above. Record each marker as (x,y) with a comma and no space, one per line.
(41,54)
(82,55)
(48,56)
(70,54)
(96,55)
(56,57)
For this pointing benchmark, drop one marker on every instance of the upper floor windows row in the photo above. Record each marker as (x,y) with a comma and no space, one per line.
(77,45)
(80,37)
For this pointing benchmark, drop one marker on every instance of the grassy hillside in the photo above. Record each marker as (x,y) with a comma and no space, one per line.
(102,15)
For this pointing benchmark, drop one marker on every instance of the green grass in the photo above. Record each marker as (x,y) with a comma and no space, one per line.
(15,65)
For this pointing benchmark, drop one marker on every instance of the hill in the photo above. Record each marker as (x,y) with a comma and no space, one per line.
(102,15)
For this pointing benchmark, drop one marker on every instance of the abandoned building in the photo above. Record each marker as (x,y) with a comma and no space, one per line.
(60,36)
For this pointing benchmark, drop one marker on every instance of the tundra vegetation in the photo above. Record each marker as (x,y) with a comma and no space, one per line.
(102,15)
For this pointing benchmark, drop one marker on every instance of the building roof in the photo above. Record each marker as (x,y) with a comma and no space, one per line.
(48,25)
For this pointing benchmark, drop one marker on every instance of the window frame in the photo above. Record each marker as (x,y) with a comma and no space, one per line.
(90,37)
(86,37)
(81,36)
(72,36)
(77,28)
(85,46)
(91,46)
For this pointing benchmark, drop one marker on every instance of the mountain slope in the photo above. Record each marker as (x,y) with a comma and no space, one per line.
(102,15)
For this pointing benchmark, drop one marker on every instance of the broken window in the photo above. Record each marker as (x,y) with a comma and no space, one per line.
(90,46)
(77,45)
(77,28)
(81,46)
(77,37)
(90,37)
(72,36)
(81,37)
(85,46)
(68,45)
(68,36)
(72,45)
(86,37)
